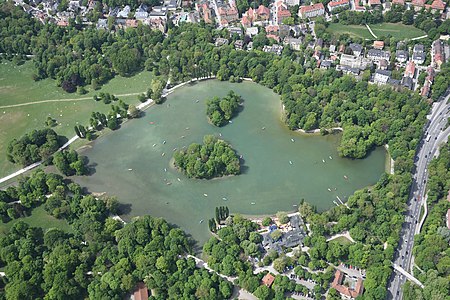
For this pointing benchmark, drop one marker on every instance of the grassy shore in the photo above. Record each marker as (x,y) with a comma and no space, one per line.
(18,87)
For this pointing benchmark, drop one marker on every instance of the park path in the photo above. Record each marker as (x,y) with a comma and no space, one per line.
(62,100)
(419,37)
(345,234)
(371,32)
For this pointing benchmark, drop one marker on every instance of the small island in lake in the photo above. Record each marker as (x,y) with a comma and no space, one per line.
(220,111)
(214,158)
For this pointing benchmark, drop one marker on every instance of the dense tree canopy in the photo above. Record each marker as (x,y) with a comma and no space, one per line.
(34,146)
(214,158)
(220,111)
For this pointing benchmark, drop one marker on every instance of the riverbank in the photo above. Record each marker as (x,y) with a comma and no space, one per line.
(390,163)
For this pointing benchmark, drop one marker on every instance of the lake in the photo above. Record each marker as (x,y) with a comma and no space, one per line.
(280,166)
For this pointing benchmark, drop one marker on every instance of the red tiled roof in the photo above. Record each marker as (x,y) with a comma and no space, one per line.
(142,292)
(374,2)
(420,3)
(378,44)
(410,69)
(338,3)
(305,9)
(268,279)
(336,284)
(438,4)
(400,2)
(262,10)
(273,36)
(272,28)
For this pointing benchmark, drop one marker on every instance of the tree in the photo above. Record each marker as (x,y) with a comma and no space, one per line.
(157,87)
(133,112)
(266,221)
(263,292)
(282,217)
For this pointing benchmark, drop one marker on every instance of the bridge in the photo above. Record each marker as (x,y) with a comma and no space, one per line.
(409,276)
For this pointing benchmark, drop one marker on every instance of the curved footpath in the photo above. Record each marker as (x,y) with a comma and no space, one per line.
(141,106)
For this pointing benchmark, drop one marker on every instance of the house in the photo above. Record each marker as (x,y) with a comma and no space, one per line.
(275,49)
(235,30)
(273,36)
(141,292)
(204,11)
(251,31)
(220,42)
(131,23)
(359,6)
(355,62)
(262,13)
(418,4)
(356,49)
(381,77)
(272,29)
(250,46)
(141,13)
(376,54)
(394,82)
(343,4)
(311,11)
(239,45)
(294,43)
(171,4)
(124,12)
(325,64)
(378,45)
(332,48)
(102,24)
(438,53)
(410,70)
(268,280)
(341,48)
(280,12)
(374,2)
(383,64)
(253,15)
(292,2)
(401,56)
(349,289)
(319,42)
(348,70)
(419,54)
(436,6)
(156,23)
(63,23)
(408,83)
(228,12)
(398,2)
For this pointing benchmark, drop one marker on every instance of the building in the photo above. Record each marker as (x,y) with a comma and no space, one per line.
(235,30)
(376,54)
(401,56)
(398,2)
(141,13)
(348,70)
(343,4)
(275,49)
(292,2)
(419,54)
(124,12)
(253,15)
(408,83)
(378,45)
(239,45)
(325,64)
(294,43)
(381,77)
(374,2)
(228,12)
(448,218)
(437,5)
(280,12)
(356,49)
(141,292)
(311,11)
(355,62)
(204,11)
(220,42)
(251,31)
(268,280)
(410,69)
(418,4)
(383,64)
(347,287)
(438,53)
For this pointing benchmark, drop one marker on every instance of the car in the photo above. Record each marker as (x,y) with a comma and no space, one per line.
(403,257)
(406,252)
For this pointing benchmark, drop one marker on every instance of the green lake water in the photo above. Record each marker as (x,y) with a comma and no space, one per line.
(269,182)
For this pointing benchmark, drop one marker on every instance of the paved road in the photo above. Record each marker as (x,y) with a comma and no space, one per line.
(433,137)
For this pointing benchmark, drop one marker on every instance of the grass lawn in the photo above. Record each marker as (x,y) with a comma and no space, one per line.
(342,240)
(396,30)
(358,31)
(38,218)
(17,86)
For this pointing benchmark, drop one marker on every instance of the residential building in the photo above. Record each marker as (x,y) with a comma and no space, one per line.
(381,77)
(124,12)
(378,45)
(410,70)
(141,292)
(356,49)
(253,15)
(418,4)
(204,11)
(383,64)
(251,31)
(141,13)
(158,12)
(102,24)
(398,2)
(235,30)
(280,12)
(355,62)
(292,2)
(275,49)
(325,64)
(425,92)
(374,2)
(228,12)
(376,54)
(408,83)
(343,4)
(272,29)
(262,13)
(220,42)
(448,218)
(273,36)
(131,23)
(438,53)
(348,70)
(350,289)
(311,11)
(239,45)
(401,56)
(437,5)
(419,54)
(268,280)
(294,43)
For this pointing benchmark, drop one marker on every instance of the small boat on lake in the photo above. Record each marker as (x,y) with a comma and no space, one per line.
(130,169)
(231,122)
(323,160)
(263,128)
(329,189)
(201,221)
(330,157)
(187,128)
(164,142)
(169,183)
(165,169)
(178,179)
(290,162)
(224,199)
(196,101)
(154,145)
(163,154)
(175,149)
(292,140)
(253,203)
(345,177)
(206,195)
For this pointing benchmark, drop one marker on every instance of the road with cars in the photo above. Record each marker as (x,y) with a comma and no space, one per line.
(435,134)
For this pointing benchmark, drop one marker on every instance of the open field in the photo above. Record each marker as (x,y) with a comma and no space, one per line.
(18,87)
(342,240)
(396,30)
(38,218)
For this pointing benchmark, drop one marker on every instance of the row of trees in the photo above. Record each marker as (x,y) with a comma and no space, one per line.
(34,146)
(431,251)
(214,158)
(70,163)
(100,258)
(220,111)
